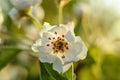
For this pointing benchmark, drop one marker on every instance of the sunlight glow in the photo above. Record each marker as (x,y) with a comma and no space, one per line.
(114,4)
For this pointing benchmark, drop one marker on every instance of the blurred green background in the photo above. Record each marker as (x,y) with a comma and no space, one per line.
(97,22)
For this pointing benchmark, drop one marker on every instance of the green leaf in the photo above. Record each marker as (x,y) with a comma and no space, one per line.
(77,29)
(6,55)
(47,73)
(111,67)
(43,73)
(69,74)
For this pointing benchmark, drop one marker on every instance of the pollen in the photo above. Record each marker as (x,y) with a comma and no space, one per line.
(67,48)
(56,33)
(49,38)
(63,56)
(60,45)
(63,36)
(48,45)
(53,37)
(52,42)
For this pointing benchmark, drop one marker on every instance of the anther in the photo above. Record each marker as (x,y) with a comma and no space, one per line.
(55,32)
(67,48)
(53,37)
(63,36)
(49,38)
(63,56)
(48,45)
(54,45)
(56,50)
(58,37)
(66,43)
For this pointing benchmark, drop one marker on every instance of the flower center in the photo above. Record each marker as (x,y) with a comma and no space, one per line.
(59,44)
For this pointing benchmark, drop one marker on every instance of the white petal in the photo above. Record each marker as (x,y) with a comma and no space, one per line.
(45,37)
(69,26)
(45,49)
(35,48)
(14,14)
(38,42)
(45,57)
(77,51)
(46,27)
(83,53)
(45,54)
(38,12)
(36,45)
(57,65)
(21,4)
(24,4)
(61,30)
(34,2)
(70,37)
(66,67)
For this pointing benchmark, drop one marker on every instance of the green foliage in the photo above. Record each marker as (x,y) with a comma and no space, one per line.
(69,74)
(111,67)
(7,55)
(77,29)
(47,73)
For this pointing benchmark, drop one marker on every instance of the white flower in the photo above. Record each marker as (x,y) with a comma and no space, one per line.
(19,18)
(14,14)
(24,4)
(38,12)
(21,7)
(60,46)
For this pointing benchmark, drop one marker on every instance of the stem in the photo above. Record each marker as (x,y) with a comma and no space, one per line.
(72,71)
(60,14)
(99,61)
(35,21)
(40,70)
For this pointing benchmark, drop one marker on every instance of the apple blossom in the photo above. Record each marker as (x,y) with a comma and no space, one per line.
(22,7)
(24,4)
(59,45)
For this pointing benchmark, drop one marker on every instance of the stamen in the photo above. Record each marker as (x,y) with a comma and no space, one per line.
(56,50)
(63,56)
(58,37)
(59,44)
(54,45)
(49,38)
(56,33)
(63,36)
(48,45)
(53,37)
(67,48)
(62,49)
(66,43)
